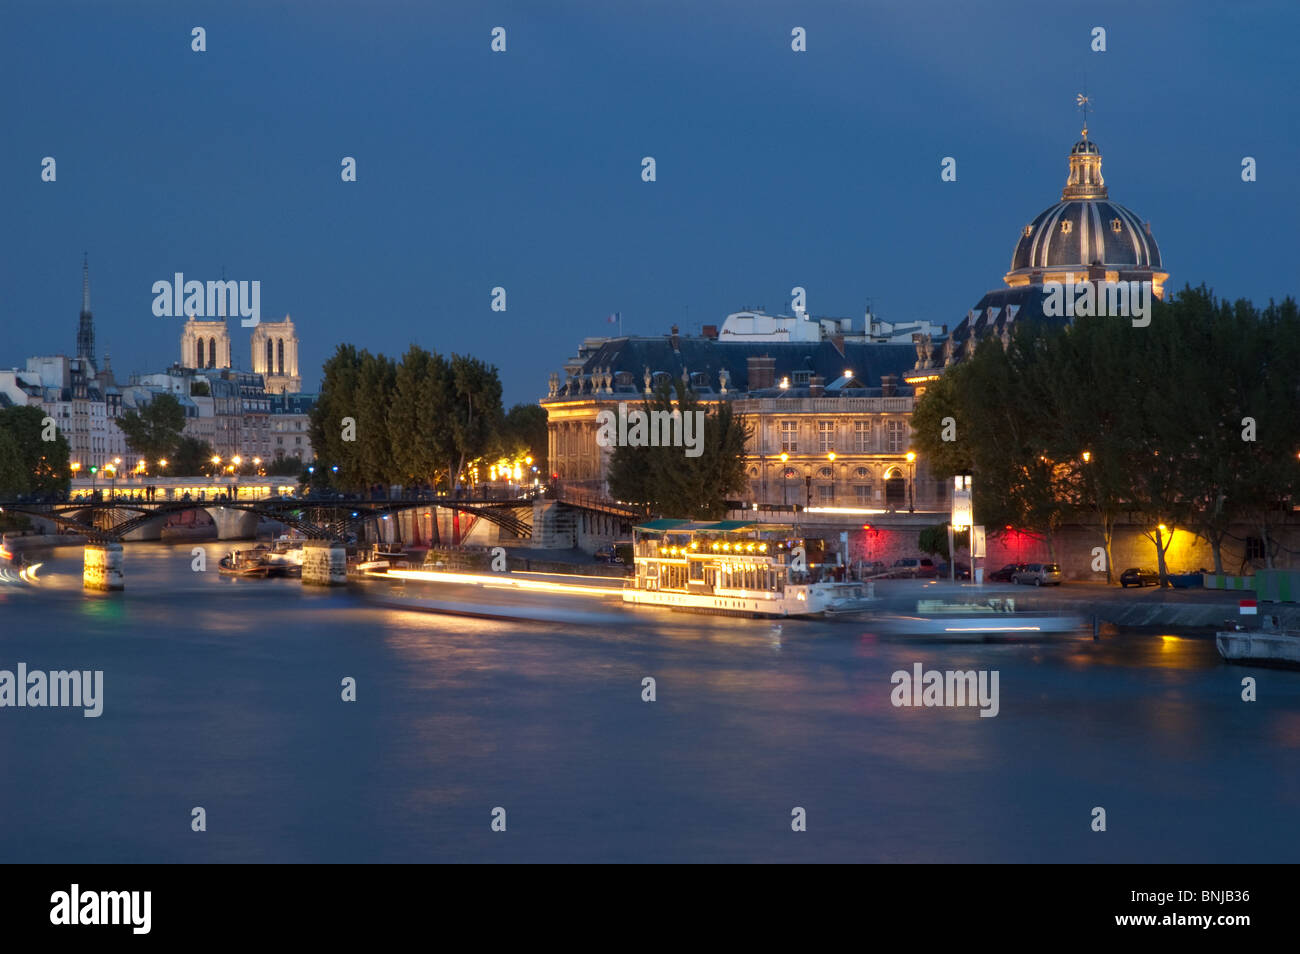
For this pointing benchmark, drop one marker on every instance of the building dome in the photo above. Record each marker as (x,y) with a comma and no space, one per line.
(1086,235)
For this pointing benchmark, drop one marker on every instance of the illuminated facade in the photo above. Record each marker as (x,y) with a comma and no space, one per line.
(275,355)
(829,417)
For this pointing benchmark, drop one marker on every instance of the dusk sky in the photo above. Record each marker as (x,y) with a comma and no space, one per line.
(522,169)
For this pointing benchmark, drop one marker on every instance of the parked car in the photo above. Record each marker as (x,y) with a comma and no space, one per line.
(1039,574)
(963,571)
(914,568)
(1134,576)
(1006,574)
(874,568)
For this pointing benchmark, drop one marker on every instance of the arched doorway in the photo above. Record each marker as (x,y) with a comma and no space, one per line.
(895,488)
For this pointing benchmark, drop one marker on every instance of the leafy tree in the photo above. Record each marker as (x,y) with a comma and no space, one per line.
(190,457)
(339,379)
(373,459)
(155,429)
(672,483)
(43,465)
(524,433)
(475,411)
(14,477)
(934,540)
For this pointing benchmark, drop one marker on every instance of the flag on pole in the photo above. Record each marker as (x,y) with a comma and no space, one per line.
(613,318)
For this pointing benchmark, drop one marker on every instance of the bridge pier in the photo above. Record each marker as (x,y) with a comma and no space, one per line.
(234,524)
(324,563)
(103,567)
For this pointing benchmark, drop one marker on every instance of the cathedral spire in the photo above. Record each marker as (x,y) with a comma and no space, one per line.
(86,326)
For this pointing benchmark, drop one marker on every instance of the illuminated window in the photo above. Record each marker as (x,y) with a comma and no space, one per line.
(1116,226)
(894,436)
(825,436)
(790,436)
(862,437)
(1029,230)
(1067,227)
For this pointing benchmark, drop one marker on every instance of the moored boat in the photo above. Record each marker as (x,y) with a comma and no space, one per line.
(1269,646)
(244,563)
(738,568)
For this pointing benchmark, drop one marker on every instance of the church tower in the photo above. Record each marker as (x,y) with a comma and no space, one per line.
(205,344)
(275,355)
(86,327)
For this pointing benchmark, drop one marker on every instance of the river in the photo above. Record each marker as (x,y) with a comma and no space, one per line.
(226,695)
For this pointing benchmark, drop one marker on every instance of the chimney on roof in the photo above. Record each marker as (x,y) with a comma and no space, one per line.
(888,385)
(816,386)
(674,339)
(760,372)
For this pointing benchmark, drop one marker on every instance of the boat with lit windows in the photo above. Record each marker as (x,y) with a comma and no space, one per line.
(739,568)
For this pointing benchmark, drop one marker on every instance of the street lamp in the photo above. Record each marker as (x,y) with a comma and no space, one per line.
(911,481)
(216,465)
(785,479)
(831,458)
(112,490)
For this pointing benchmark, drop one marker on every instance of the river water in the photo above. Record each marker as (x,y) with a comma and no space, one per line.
(226,695)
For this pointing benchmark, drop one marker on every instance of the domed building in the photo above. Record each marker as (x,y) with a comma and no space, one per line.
(1085,232)
(1085,237)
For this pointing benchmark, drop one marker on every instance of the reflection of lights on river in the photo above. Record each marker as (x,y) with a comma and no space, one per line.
(481,580)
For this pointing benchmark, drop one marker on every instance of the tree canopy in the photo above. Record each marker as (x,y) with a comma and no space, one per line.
(1192,421)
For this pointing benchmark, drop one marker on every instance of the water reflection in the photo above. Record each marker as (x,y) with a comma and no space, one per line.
(229,696)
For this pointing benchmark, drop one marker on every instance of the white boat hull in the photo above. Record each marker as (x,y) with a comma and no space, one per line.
(794,601)
(1278,649)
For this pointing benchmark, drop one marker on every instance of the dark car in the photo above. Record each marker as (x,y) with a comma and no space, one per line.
(1134,576)
(963,571)
(1006,574)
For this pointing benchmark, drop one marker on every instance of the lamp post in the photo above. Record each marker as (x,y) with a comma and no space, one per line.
(831,458)
(911,481)
(216,466)
(785,479)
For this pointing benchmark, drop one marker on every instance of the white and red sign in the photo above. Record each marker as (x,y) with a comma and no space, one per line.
(1249,608)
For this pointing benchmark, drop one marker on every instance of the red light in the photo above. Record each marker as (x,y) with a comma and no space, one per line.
(866,526)
(1008,526)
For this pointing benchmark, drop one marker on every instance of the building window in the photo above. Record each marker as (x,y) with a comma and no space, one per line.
(1067,227)
(825,436)
(1029,230)
(862,437)
(824,473)
(1254,548)
(863,493)
(790,436)
(802,378)
(894,437)
(1116,226)
(826,492)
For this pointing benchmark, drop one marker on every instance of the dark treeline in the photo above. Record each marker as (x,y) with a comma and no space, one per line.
(670,482)
(1192,422)
(424,419)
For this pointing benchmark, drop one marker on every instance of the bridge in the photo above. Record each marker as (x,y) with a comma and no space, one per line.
(327,522)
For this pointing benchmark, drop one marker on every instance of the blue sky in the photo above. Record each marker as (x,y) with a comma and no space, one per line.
(522,169)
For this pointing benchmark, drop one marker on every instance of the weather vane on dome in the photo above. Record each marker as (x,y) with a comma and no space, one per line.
(1084,103)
